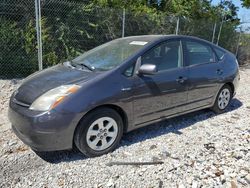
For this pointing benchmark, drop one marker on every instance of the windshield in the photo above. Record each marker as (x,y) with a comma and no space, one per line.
(109,55)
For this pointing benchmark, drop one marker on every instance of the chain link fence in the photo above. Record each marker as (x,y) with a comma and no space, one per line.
(70,28)
(17,38)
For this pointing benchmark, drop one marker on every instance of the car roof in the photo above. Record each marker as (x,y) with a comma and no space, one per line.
(156,37)
(153,38)
(146,37)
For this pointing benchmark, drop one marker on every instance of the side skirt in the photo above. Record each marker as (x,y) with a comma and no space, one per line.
(166,117)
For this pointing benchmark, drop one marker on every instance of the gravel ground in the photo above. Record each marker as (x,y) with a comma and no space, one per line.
(200,149)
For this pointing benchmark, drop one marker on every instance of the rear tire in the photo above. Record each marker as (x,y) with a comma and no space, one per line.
(99,132)
(223,99)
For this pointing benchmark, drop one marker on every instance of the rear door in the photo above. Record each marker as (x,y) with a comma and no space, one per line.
(204,73)
(164,93)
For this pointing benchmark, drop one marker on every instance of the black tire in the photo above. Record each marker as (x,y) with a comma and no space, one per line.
(80,136)
(216,107)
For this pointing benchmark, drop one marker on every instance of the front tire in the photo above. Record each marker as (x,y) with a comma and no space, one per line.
(99,132)
(223,99)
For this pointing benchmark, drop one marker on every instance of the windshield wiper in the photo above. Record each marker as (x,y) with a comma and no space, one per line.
(83,65)
(87,66)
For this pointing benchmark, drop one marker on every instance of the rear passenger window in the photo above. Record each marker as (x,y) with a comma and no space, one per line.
(220,54)
(199,53)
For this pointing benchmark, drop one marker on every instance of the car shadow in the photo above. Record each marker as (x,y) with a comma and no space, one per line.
(172,125)
(56,157)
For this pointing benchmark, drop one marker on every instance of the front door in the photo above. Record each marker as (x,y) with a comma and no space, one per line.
(164,93)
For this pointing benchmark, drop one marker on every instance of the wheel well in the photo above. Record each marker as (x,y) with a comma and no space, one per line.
(118,109)
(231,86)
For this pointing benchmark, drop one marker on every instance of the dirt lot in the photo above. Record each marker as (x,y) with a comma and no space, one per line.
(198,150)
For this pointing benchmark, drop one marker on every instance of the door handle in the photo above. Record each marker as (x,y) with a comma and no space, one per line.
(181,79)
(126,89)
(219,71)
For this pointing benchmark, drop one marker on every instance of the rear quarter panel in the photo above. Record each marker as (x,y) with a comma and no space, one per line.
(231,70)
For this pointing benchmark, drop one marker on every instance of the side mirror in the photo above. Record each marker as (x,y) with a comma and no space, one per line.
(147,69)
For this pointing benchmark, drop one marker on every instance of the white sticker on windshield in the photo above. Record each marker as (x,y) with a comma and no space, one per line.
(142,43)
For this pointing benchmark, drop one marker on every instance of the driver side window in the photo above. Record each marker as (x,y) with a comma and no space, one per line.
(167,55)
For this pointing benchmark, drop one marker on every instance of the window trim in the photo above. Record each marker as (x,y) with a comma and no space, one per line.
(158,44)
(133,70)
(186,56)
(217,57)
(136,63)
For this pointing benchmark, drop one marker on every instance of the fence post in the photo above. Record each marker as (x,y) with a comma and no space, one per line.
(177,26)
(214,32)
(237,49)
(218,39)
(123,22)
(39,33)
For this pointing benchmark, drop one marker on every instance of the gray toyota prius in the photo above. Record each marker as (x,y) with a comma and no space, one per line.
(89,102)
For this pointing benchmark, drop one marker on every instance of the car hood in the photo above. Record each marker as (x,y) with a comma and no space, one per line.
(40,82)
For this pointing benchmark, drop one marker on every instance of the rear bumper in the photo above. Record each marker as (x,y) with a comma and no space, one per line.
(48,131)
(236,82)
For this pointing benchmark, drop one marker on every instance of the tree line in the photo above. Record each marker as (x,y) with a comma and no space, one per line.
(70,28)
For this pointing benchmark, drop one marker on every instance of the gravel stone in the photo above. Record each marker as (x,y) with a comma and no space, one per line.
(247,178)
(200,149)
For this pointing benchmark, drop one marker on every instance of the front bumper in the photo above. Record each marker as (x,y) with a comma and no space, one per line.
(47,131)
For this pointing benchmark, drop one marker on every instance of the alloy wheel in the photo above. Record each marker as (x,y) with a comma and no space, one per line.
(102,133)
(224,98)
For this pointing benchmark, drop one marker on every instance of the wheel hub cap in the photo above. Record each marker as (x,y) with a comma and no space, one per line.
(102,133)
(224,98)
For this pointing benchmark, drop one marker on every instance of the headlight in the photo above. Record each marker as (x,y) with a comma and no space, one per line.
(53,97)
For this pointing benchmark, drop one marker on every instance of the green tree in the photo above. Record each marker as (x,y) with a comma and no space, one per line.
(15,50)
(246,3)
(70,27)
